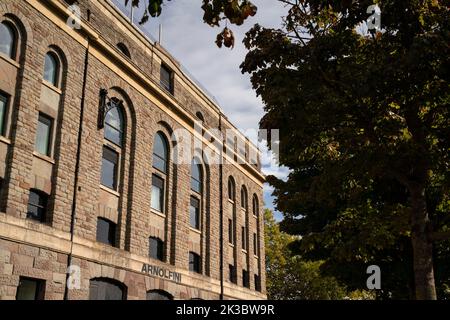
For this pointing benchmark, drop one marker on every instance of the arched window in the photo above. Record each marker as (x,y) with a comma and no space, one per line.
(114,125)
(200,117)
(231,189)
(51,69)
(196,176)
(160,153)
(123,48)
(8,40)
(255,206)
(244,197)
(106,289)
(159,295)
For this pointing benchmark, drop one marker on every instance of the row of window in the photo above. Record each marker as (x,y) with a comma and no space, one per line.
(99,289)
(245,278)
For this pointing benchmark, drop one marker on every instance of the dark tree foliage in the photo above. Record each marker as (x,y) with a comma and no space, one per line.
(364,127)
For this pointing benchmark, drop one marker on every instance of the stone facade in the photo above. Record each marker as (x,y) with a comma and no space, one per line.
(89,60)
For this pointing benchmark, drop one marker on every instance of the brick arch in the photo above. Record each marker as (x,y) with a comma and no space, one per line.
(11,11)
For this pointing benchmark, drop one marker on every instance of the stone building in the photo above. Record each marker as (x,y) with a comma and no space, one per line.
(119,175)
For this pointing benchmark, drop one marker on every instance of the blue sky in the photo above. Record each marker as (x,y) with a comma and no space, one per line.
(191,42)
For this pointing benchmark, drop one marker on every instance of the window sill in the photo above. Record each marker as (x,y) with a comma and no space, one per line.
(256,257)
(9,60)
(51,87)
(231,245)
(111,191)
(256,217)
(195,230)
(5,140)
(156,212)
(244,251)
(43,157)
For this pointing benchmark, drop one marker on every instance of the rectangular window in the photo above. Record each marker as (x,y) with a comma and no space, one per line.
(30,289)
(156,249)
(110,161)
(255,245)
(257,283)
(37,205)
(232,273)
(245,279)
(244,239)
(3,113)
(194,262)
(166,78)
(106,231)
(194,211)
(230,231)
(157,201)
(43,134)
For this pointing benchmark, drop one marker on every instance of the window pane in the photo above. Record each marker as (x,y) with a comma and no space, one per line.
(3,105)
(105,290)
(110,160)
(166,78)
(30,289)
(194,262)
(43,134)
(7,40)
(195,213)
(114,126)
(51,69)
(37,206)
(156,248)
(255,244)
(106,231)
(196,177)
(158,295)
(160,153)
(157,200)
(230,231)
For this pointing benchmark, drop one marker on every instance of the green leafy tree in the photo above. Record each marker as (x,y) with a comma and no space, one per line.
(364,127)
(288,276)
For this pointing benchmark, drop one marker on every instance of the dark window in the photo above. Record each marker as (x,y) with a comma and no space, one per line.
(106,289)
(194,262)
(157,201)
(160,153)
(123,48)
(106,231)
(30,289)
(37,205)
(196,176)
(232,274)
(3,113)
(200,117)
(230,231)
(255,244)
(245,279)
(110,161)
(7,40)
(257,283)
(255,206)
(156,246)
(194,211)
(159,295)
(244,239)
(166,78)
(114,125)
(51,69)
(44,134)
(243,198)
(231,189)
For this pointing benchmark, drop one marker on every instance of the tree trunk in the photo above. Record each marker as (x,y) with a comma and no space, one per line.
(422,247)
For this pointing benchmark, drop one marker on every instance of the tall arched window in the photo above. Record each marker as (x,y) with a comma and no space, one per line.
(243,197)
(196,176)
(114,129)
(160,153)
(8,40)
(159,177)
(123,48)
(231,189)
(114,125)
(51,69)
(255,206)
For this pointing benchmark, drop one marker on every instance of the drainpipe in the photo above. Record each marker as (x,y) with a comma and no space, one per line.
(77,169)
(221,207)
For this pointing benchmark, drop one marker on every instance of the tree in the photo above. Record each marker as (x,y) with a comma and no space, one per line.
(234,11)
(364,120)
(289,277)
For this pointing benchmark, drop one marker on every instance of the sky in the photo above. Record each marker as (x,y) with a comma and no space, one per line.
(192,43)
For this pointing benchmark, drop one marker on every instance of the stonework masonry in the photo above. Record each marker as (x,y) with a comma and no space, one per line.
(40,249)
